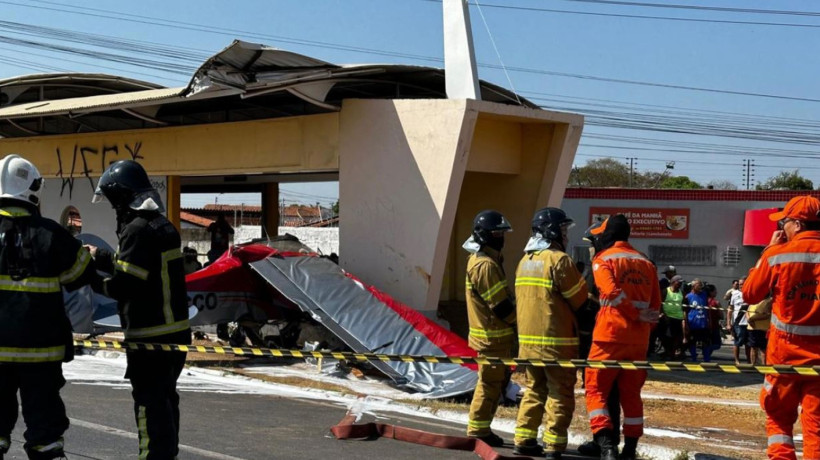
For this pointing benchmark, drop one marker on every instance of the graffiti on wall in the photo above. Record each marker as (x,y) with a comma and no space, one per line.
(83,158)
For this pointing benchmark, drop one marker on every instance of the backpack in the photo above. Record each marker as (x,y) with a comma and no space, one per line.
(698,318)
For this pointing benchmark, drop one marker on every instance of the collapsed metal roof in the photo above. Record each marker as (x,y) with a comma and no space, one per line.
(245,81)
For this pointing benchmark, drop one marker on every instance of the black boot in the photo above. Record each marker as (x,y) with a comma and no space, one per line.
(606,439)
(529,447)
(590,449)
(630,449)
(50,454)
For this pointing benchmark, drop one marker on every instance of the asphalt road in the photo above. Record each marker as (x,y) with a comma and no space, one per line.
(230,427)
(235,425)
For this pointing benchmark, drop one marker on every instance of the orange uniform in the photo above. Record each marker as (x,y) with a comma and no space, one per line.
(791,271)
(627,283)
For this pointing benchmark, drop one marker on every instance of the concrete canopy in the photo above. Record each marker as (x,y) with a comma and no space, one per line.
(243,82)
(413,167)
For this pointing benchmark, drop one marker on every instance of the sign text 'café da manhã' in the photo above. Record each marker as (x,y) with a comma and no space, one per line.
(649,222)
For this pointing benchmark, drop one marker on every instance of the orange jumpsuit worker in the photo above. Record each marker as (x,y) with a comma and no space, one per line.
(790,268)
(549,290)
(491,314)
(630,303)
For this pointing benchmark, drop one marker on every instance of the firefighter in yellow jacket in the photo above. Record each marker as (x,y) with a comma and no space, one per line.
(549,291)
(491,313)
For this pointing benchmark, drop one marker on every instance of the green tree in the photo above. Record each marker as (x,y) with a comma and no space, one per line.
(335,208)
(601,172)
(721,184)
(680,182)
(786,180)
(650,179)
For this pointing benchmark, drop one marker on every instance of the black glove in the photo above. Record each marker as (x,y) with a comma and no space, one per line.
(585,314)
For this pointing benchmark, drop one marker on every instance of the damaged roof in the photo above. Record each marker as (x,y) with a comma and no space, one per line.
(245,81)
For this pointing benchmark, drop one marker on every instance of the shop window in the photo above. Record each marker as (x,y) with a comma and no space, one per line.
(731,256)
(683,255)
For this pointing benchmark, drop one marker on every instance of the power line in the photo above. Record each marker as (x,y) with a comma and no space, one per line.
(697,7)
(692,162)
(63,59)
(610,103)
(675,120)
(638,16)
(223,31)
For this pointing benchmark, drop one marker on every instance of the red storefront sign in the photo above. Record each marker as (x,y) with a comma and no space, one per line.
(649,222)
(757,228)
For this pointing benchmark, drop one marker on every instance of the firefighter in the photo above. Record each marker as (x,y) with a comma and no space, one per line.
(586,324)
(148,283)
(491,314)
(789,268)
(37,258)
(549,290)
(630,303)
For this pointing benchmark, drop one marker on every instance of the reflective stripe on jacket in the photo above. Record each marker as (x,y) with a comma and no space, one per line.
(38,258)
(791,271)
(486,287)
(149,281)
(627,282)
(548,289)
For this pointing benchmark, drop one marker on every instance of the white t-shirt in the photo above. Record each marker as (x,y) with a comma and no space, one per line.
(737,303)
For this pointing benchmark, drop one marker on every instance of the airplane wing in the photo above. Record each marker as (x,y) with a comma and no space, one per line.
(368,320)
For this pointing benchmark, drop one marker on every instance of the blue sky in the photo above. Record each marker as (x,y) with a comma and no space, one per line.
(583,55)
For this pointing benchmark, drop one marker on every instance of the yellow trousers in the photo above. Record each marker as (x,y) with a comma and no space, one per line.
(491,382)
(551,391)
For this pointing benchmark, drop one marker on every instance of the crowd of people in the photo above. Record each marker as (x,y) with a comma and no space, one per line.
(694,319)
(618,310)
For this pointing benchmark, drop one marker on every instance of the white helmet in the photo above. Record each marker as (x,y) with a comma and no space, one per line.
(19,179)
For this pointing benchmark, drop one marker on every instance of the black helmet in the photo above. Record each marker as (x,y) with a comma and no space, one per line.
(592,233)
(547,222)
(126,185)
(486,223)
(593,236)
(604,234)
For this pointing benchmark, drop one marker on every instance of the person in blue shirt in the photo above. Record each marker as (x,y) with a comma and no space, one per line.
(696,324)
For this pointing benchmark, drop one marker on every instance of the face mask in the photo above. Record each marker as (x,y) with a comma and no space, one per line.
(496,242)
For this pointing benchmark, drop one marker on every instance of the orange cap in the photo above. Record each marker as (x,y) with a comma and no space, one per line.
(599,229)
(803,207)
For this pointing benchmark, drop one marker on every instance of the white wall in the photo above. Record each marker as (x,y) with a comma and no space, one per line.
(98,219)
(324,240)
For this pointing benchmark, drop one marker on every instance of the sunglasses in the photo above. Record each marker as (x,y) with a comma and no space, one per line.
(782,222)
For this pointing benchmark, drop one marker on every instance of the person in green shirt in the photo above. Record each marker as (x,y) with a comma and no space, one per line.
(673,310)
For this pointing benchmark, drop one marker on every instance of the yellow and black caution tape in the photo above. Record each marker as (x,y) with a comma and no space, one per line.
(363,357)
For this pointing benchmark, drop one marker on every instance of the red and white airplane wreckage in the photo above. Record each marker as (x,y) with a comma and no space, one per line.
(279,289)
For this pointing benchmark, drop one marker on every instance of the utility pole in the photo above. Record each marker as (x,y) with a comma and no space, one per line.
(632,163)
(748,172)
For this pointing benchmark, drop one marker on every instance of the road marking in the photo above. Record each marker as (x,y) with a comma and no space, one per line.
(129,435)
